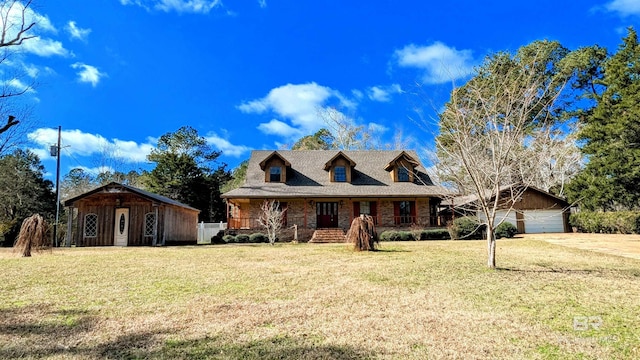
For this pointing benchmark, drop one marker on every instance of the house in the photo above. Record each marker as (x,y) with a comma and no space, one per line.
(122,215)
(534,210)
(327,188)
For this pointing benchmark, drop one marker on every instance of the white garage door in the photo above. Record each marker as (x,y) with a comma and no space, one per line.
(543,221)
(501,214)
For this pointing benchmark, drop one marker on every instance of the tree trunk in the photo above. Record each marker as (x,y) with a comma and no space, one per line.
(491,248)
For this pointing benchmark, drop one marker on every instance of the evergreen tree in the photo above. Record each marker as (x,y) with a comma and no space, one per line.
(23,192)
(184,173)
(611,136)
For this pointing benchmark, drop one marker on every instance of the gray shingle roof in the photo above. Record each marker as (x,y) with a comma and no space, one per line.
(307,177)
(145,194)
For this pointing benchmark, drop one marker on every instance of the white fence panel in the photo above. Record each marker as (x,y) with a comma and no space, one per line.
(207,230)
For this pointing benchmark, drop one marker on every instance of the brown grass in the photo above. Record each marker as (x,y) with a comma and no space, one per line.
(413,300)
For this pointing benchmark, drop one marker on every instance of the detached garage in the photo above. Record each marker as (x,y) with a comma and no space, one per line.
(537,211)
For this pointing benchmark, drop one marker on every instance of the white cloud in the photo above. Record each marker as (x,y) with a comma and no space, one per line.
(624,7)
(226,146)
(36,44)
(76,142)
(262,3)
(377,128)
(277,127)
(439,62)
(75,32)
(44,47)
(300,104)
(180,6)
(16,86)
(383,93)
(89,74)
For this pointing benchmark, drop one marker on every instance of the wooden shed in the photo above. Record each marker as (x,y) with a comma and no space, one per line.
(122,215)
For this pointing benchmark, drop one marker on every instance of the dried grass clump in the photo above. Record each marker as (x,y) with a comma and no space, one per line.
(32,236)
(363,234)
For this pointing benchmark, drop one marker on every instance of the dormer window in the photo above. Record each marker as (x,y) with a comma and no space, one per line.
(403,174)
(275,174)
(340,168)
(275,168)
(402,168)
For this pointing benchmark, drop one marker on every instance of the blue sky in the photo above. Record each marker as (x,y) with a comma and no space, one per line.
(253,74)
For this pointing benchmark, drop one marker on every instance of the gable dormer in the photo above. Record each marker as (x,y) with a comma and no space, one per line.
(402,168)
(339,168)
(275,168)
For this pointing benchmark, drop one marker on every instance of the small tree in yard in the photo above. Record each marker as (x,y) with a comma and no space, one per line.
(363,233)
(271,219)
(33,235)
(490,129)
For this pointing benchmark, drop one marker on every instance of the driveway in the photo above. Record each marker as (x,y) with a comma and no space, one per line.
(615,244)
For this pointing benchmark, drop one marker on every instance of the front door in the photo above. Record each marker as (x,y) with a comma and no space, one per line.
(121,228)
(327,214)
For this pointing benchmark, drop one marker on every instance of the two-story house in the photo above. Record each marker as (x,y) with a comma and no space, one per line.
(328,188)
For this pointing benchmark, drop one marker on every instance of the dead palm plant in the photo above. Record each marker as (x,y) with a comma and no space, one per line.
(363,234)
(32,236)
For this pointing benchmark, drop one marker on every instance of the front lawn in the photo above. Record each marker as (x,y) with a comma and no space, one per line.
(432,299)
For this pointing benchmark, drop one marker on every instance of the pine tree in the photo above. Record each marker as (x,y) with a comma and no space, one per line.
(611,135)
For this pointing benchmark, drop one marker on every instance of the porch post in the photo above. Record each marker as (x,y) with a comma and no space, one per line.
(69,226)
(154,242)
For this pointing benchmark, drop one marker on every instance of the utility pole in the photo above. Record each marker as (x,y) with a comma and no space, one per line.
(55,151)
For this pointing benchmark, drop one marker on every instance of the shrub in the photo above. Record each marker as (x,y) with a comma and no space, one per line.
(242,238)
(506,230)
(435,234)
(466,228)
(229,239)
(257,238)
(623,222)
(218,238)
(390,235)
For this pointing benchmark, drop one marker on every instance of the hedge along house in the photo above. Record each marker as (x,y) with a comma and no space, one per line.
(326,189)
(122,215)
(533,211)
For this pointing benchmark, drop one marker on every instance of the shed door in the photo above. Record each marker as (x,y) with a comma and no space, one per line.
(121,228)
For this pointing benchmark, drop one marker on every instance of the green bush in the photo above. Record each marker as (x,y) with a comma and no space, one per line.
(229,239)
(391,235)
(614,222)
(506,230)
(466,228)
(242,238)
(434,234)
(257,238)
(218,238)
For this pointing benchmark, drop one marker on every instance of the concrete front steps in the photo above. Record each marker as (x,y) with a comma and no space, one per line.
(328,236)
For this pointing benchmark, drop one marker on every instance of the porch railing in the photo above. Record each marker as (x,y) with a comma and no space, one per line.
(237,223)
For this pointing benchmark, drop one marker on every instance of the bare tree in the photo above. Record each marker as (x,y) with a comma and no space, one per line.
(16,24)
(271,219)
(345,134)
(490,126)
